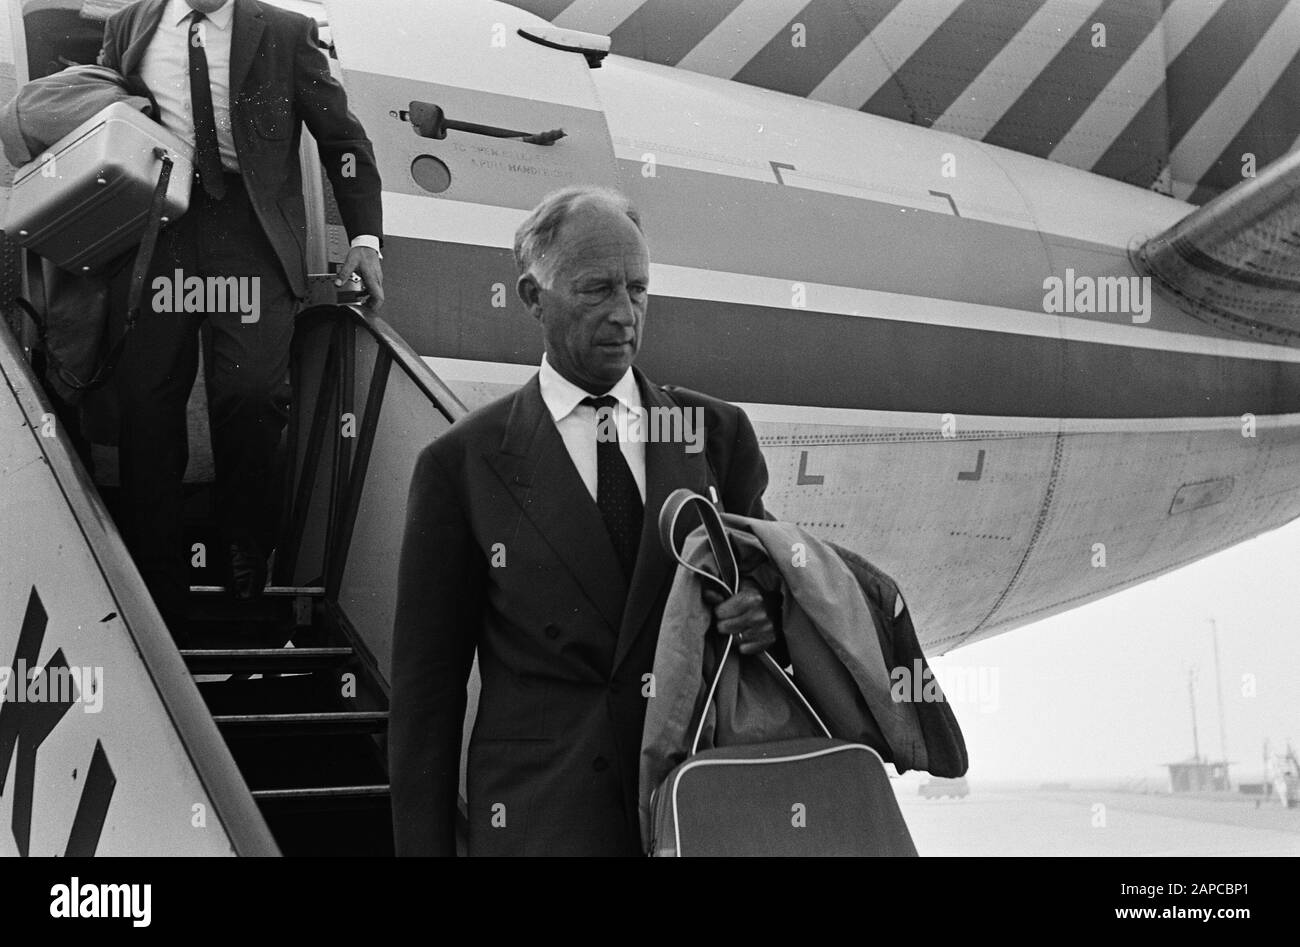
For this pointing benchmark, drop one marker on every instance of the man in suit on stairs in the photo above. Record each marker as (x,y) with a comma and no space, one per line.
(239,79)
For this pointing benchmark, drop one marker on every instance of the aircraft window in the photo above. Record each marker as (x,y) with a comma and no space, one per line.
(431,174)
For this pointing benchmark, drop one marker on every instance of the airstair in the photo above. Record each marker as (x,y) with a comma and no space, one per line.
(278,708)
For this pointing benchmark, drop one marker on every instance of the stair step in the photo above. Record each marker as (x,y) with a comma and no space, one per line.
(303,808)
(282,758)
(227,635)
(376,791)
(277,605)
(314,692)
(249,660)
(271,591)
(345,721)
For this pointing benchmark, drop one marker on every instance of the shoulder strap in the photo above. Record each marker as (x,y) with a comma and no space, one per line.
(684,397)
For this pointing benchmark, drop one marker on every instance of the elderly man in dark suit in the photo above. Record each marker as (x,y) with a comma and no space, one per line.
(531,539)
(238,78)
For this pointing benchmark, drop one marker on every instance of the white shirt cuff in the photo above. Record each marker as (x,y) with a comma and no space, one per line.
(367,240)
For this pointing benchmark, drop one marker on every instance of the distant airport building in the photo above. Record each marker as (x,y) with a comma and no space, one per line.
(1198,775)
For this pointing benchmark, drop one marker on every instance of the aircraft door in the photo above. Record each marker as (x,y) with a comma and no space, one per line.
(501,81)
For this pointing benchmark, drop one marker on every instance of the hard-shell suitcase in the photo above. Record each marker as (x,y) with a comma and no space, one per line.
(814,796)
(87,199)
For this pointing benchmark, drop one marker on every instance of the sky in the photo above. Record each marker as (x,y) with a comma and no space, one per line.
(1101,691)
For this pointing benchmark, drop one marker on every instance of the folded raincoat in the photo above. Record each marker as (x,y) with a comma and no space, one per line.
(46,109)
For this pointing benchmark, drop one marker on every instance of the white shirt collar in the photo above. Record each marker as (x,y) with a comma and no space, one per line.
(178,10)
(562,396)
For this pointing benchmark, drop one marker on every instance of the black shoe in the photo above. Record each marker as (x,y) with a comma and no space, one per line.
(247,578)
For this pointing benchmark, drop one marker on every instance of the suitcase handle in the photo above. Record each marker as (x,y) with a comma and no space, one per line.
(728,579)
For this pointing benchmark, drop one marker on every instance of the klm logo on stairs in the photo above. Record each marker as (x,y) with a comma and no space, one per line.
(27,719)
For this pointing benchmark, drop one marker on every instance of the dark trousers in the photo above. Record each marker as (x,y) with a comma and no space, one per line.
(247,375)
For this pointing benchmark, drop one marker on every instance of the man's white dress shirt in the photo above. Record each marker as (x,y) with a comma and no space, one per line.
(166,71)
(576,423)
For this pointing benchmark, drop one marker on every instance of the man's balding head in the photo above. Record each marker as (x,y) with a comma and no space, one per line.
(585,275)
(536,241)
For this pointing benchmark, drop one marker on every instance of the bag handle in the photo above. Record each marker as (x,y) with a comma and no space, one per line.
(728,579)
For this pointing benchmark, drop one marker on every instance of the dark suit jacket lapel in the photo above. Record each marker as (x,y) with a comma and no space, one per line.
(668,466)
(246,34)
(535,467)
(146,25)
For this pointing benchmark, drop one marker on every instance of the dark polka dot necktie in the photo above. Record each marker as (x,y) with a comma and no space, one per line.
(617,495)
(207,153)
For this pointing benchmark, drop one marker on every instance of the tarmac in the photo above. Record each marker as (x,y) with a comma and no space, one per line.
(1089,822)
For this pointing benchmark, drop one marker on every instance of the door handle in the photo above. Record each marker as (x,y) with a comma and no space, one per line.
(429,121)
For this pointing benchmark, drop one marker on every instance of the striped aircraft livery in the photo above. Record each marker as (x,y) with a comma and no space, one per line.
(1183,96)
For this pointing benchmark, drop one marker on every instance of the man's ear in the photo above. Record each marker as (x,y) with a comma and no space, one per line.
(530,294)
